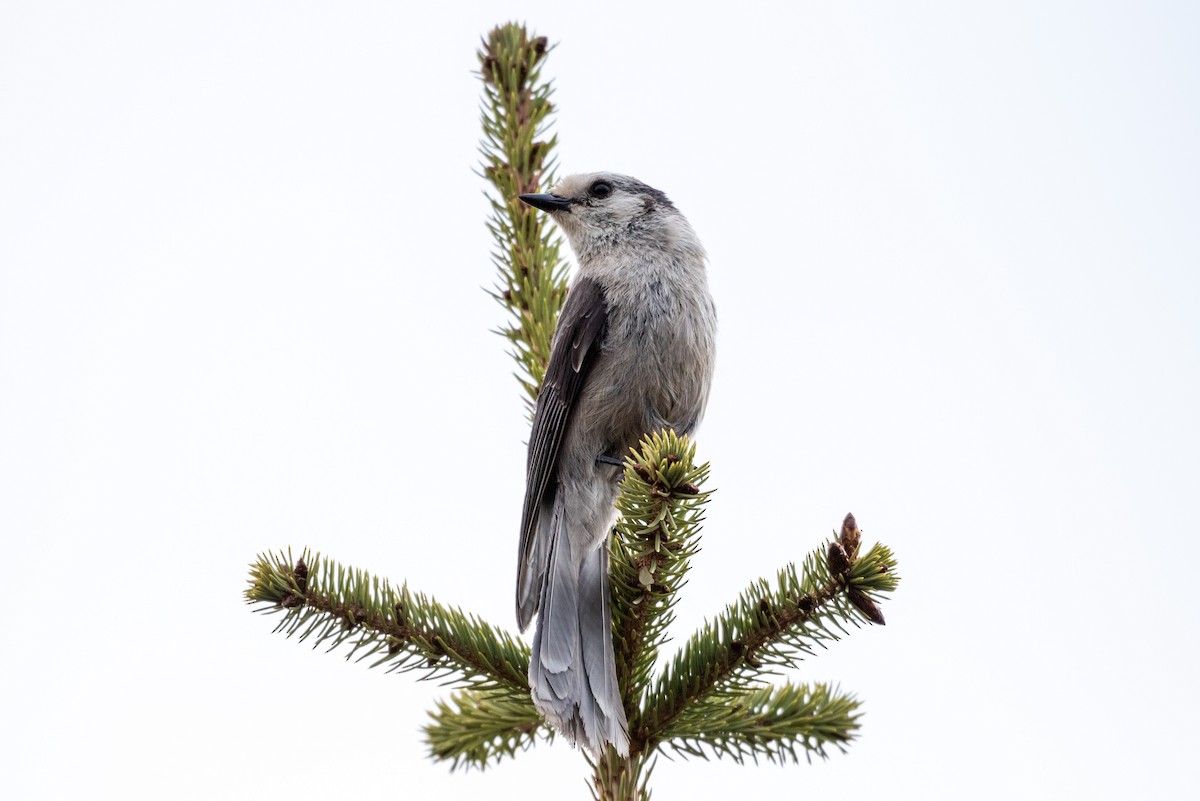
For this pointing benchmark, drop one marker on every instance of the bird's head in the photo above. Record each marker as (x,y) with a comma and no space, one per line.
(604,210)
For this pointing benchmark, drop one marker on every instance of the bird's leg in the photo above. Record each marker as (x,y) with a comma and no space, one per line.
(604,458)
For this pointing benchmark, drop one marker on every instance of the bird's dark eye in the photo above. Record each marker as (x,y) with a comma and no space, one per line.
(600,189)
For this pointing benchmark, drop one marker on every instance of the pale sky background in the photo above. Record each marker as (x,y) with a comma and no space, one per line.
(956,254)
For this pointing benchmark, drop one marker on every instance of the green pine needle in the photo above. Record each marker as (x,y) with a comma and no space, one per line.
(770,626)
(478,727)
(779,723)
(399,630)
(660,511)
(517,151)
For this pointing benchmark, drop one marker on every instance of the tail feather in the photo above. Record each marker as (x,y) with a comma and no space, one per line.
(559,646)
(601,709)
(572,673)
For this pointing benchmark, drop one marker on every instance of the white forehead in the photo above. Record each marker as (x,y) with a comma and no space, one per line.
(633,214)
(576,185)
(627,191)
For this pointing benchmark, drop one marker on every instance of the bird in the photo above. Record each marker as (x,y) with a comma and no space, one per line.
(632,353)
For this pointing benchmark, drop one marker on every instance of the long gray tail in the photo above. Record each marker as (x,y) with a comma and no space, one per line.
(572,672)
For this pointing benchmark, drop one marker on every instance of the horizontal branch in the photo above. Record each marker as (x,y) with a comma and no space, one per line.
(399,629)
(778,723)
(478,727)
(771,627)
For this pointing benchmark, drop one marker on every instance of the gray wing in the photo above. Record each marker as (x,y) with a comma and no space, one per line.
(576,344)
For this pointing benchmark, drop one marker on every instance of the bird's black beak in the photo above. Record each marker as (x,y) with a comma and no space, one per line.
(546,202)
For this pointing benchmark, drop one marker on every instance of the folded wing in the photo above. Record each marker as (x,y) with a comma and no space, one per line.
(575,349)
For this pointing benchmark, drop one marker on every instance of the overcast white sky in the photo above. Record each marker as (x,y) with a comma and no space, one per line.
(956,254)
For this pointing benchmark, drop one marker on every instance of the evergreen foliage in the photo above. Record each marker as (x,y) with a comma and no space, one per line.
(714,696)
(519,159)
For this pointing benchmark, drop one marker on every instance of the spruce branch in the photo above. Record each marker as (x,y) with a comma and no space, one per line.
(517,158)
(399,629)
(660,509)
(769,626)
(777,722)
(478,727)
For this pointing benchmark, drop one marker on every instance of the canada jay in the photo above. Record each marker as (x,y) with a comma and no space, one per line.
(632,354)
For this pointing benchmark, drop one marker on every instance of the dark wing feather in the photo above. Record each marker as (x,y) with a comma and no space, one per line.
(577,340)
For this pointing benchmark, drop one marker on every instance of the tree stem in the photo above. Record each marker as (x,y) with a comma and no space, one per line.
(617,778)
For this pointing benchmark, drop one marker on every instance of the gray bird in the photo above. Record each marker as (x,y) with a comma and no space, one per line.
(633,353)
